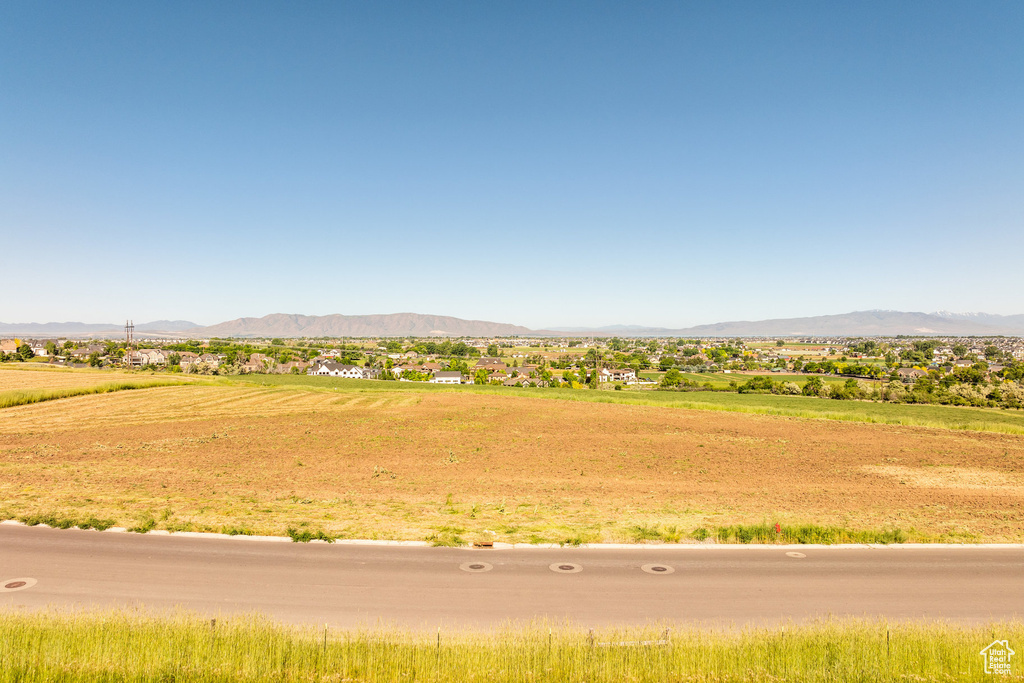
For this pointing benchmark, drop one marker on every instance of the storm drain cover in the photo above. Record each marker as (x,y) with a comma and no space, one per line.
(474,567)
(795,554)
(657,569)
(11,585)
(566,568)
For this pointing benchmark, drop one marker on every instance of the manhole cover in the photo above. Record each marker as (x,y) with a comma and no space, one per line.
(11,585)
(475,567)
(566,568)
(657,569)
(795,554)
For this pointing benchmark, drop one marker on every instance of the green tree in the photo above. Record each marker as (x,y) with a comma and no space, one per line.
(480,377)
(25,351)
(672,378)
(814,387)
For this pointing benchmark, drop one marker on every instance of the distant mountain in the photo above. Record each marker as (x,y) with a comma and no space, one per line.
(866,324)
(165,326)
(1009,321)
(856,324)
(622,330)
(391,325)
(74,329)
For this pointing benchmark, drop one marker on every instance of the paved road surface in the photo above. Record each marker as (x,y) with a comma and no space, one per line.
(347,585)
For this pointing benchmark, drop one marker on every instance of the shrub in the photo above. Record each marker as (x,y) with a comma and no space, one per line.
(146,525)
(447,536)
(305,535)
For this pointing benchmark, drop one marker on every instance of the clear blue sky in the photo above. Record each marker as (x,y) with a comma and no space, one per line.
(544,164)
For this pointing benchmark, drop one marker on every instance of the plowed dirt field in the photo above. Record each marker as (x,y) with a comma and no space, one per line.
(474,467)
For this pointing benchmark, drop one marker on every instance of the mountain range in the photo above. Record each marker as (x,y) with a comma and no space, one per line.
(92,329)
(390,325)
(857,323)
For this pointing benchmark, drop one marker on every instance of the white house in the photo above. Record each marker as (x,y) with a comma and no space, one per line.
(626,375)
(39,348)
(447,377)
(330,368)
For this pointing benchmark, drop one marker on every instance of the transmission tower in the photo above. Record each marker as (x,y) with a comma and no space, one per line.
(129,341)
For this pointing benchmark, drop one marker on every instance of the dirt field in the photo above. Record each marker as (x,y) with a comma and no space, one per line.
(470,466)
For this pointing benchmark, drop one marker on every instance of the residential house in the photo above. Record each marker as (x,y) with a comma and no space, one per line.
(257,362)
(399,369)
(86,351)
(911,375)
(490,364)
(39,348)
(295,366)
(447,377)
(210,360)
(625,375)
(8,345)
(150,357)
(187,358)
(331,368)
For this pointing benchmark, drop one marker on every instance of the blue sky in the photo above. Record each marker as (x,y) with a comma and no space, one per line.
(545,164)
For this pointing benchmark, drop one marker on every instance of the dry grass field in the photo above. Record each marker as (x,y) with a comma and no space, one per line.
(465,466)
(34,376)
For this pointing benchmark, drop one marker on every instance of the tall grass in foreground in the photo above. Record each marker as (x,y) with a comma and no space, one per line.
(130,646)
(22,397)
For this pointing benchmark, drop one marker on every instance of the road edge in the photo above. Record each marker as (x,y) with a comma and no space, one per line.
(542,546)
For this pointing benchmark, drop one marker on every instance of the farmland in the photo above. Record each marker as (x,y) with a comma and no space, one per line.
(418,462)
(979,419)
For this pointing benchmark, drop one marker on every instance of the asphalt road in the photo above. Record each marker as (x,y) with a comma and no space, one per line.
(349,585)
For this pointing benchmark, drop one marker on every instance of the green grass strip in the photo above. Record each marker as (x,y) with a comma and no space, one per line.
(123,646)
